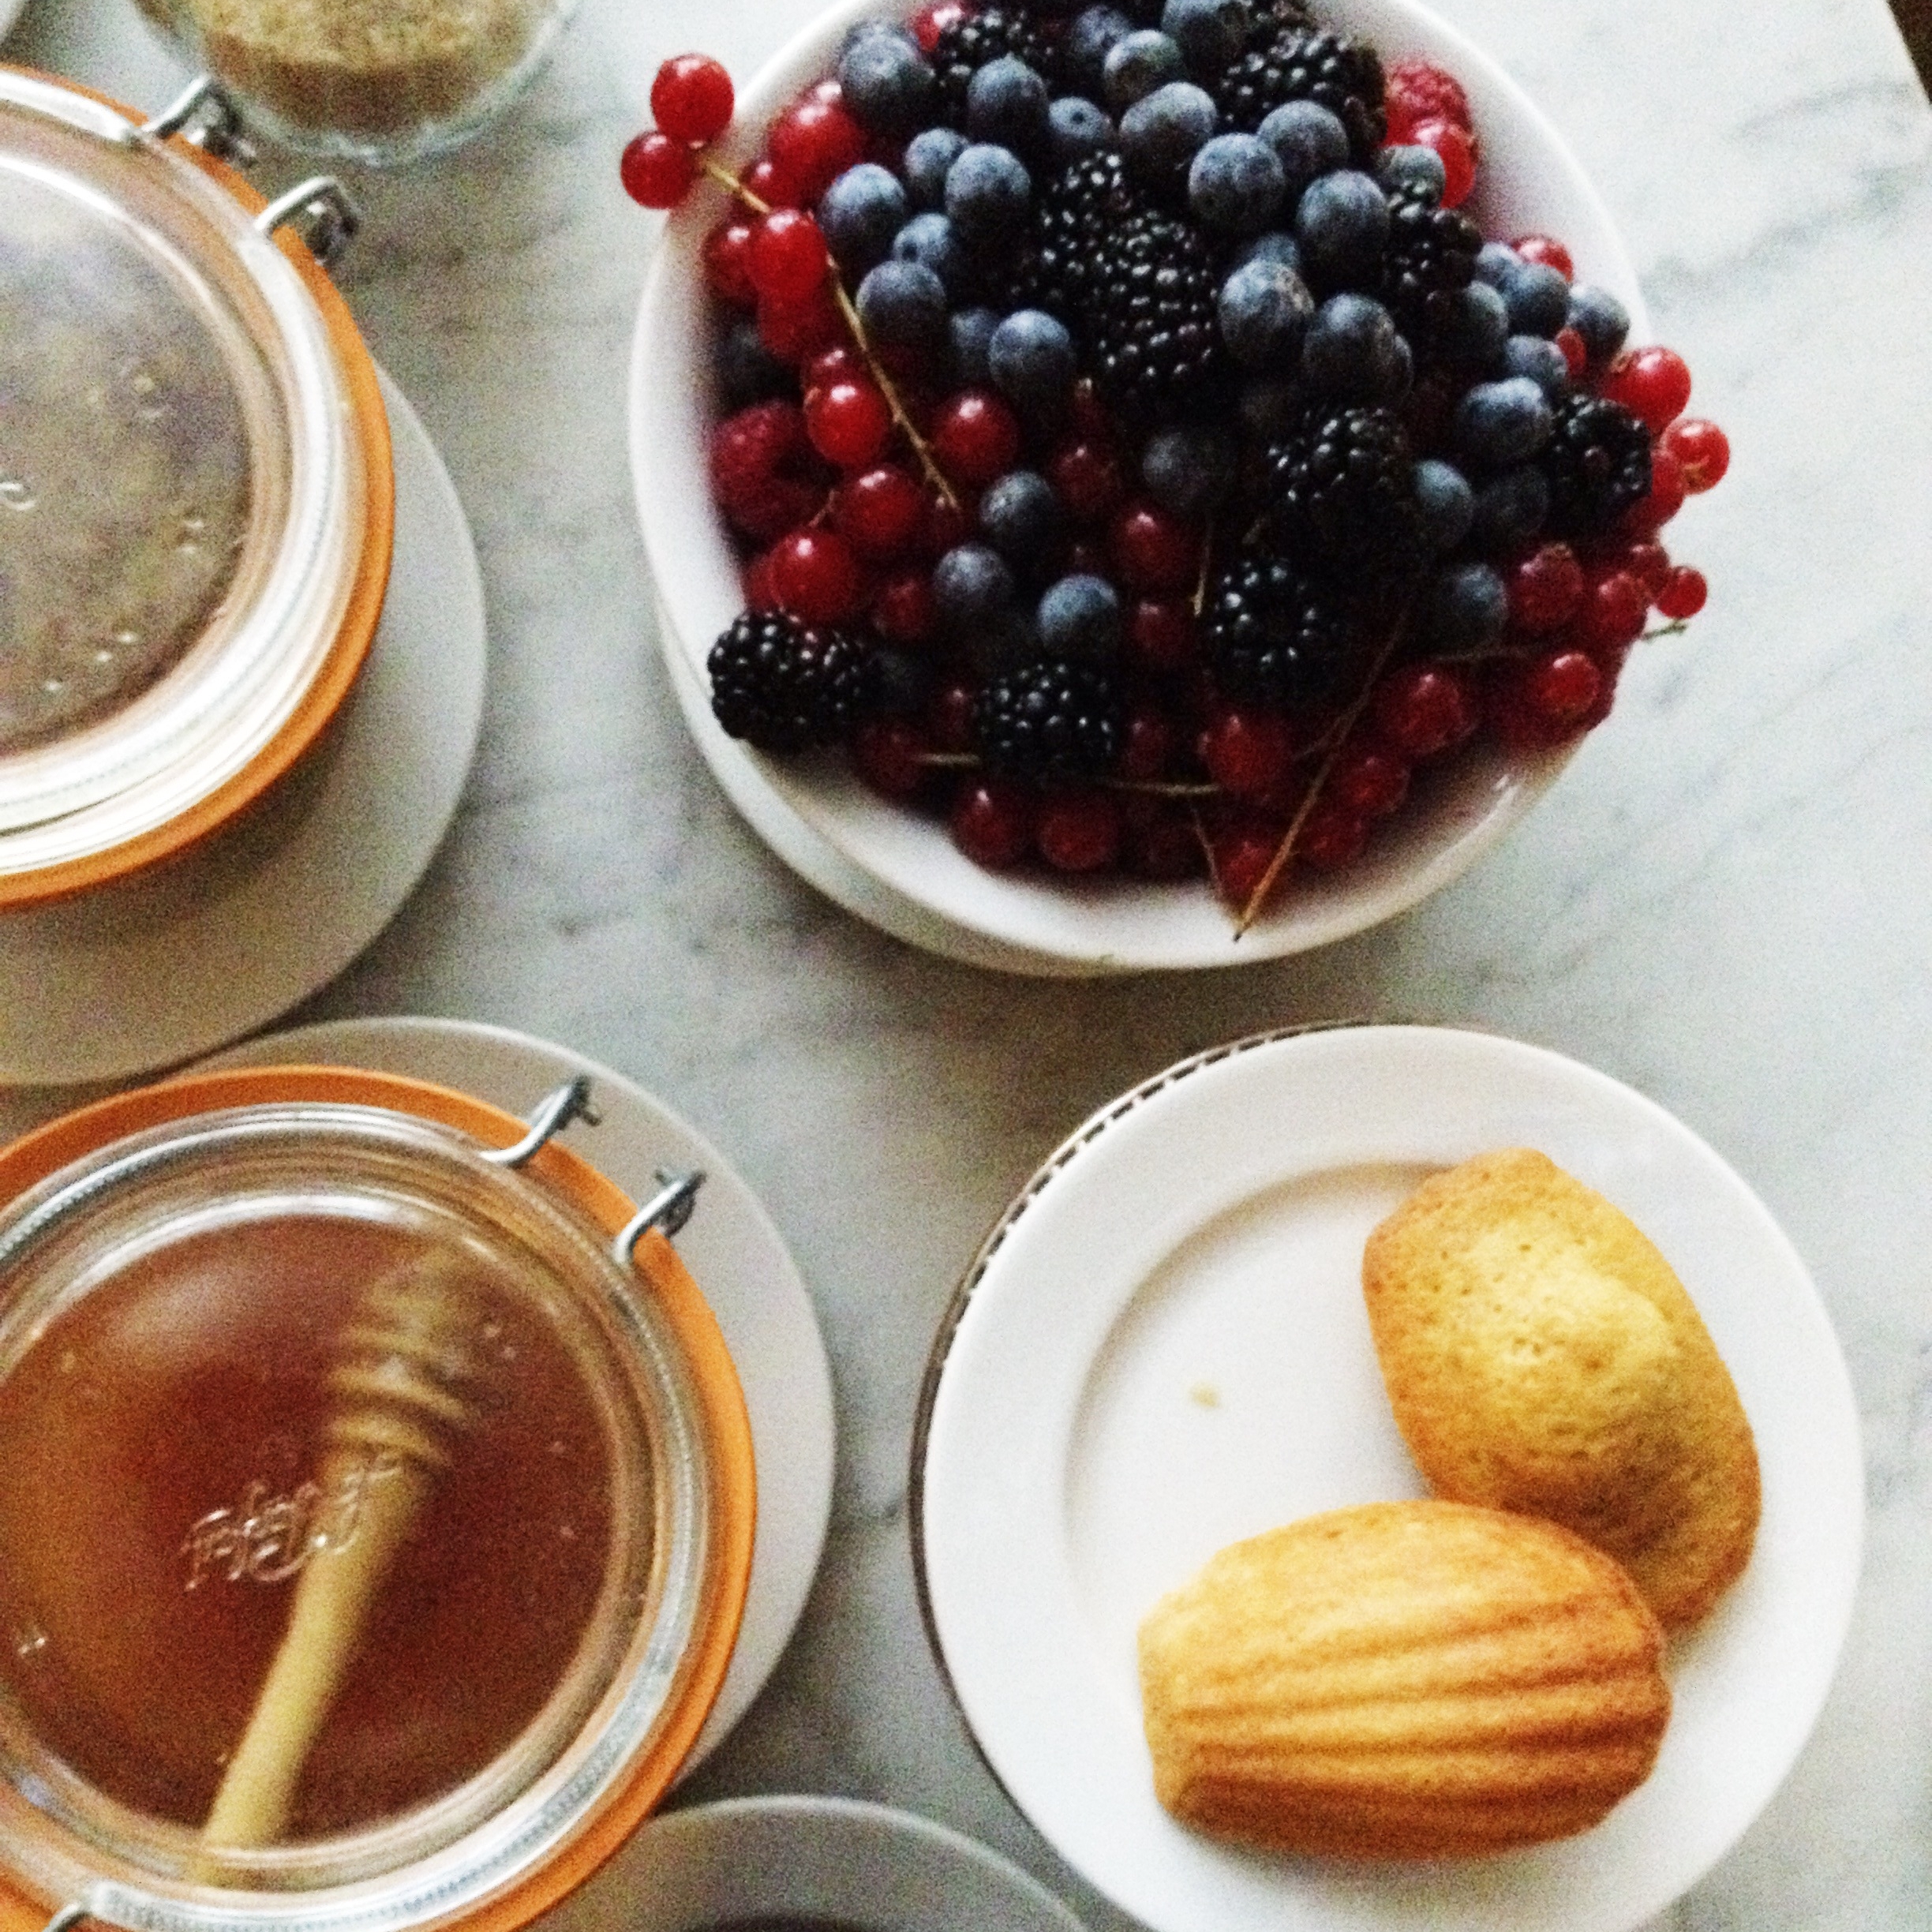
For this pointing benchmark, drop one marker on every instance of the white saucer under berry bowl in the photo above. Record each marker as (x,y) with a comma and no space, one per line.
(1458,807)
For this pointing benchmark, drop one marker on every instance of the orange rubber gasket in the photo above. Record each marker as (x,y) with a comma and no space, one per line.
(337,674)
(734,1493)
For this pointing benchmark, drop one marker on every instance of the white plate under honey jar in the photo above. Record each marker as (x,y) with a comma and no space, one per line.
(376,1504)
(195,492)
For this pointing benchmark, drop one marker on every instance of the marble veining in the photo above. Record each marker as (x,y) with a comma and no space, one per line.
(1725,901)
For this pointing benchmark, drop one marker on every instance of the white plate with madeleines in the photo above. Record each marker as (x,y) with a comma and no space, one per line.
(1162,1349)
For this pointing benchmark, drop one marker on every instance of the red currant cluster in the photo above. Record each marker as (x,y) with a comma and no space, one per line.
(871,463)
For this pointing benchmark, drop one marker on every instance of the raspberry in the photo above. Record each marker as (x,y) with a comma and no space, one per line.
(760,473)
(655,170)
(1548,250)
(1418,91)
(1455,148)
(691,97)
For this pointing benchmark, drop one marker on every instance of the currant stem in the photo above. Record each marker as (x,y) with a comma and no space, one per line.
(730,182)
(934,475)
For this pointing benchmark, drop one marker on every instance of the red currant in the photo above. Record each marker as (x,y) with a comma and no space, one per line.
(1079,831)
(931,21)
(691,98)
(902,610)
(1145,744)
(1247,753)
(1243,852)
(1163,844)
(727,264)
(1548,250)
(1424,709)
(1702,450)
(1652,383)
(1331,836)
(1649,514)
(949,716)
(655,170)
(1562,686)
(1087,420)
(850,424)
(1369,778)
(889,755)
(1456,150)
(769,183)
(788,261)
(1088,478)
(761,595)
(1545,588)
(1684,593)
(815,142)
(992,822)
(792,331)
(758,458)
(842,362)
(1614,609)
(817,577)
(879,511)
(948,524)
(1152,550)
(1160,633)
(1575,354)
(975,436)
(1648,563)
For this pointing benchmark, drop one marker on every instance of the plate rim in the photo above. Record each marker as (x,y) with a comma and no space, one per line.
(1832,1369)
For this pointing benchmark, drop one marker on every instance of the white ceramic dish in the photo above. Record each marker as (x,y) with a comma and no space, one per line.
(151,971)
(1530,181)
(833,1860)
(737,1256)
(9,12)
(1161,1348)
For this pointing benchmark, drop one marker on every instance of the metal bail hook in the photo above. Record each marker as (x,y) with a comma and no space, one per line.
(203,113)
(67,1916)
(321,211)
(667,1210)
(554,1112)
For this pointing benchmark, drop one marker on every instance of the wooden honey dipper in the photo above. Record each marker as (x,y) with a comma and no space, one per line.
(402,1362)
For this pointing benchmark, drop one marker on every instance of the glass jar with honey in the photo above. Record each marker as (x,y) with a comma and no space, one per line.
(375,1505)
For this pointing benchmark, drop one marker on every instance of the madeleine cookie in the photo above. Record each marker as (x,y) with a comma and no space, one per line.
(1540,1356)
(1419,1679)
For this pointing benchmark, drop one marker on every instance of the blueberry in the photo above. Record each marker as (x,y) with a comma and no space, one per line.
(1092,37)
(970,586)
(1032,359)
(1511,510)
(860,213)
(1276,245)
(929,240)
(1135,65)
(1497,424)
(1006,104)
(1080,617)
(971,330)
(1210,33)
(1542,361)
(989,195)
(1476,332)
(902,304)
(1236,184)
(747,372)
(928,155)
(1076,129)
(1416,170)
(1023,519)
(1601,320)
(1445,504)
(1496,262)
(1161,134)
(1468,608)
(1269,407)
(900,683)
(887,83)
(1354,352)
(1308,141)
(1264,308)
(1188,468)
(1537,298)
(1341,222)
(1005,638)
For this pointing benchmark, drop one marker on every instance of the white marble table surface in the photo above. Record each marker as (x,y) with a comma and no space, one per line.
(1724,903)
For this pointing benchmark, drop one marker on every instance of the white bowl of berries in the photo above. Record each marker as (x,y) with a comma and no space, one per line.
(1161,485)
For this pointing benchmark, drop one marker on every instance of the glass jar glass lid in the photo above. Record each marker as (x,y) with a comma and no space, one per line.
(193,485)
(364,1522)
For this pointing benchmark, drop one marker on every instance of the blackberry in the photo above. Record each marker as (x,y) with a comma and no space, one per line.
(1341,492)
(1153,335)
(782,686)
(1342,75)
(1049,722)
(1275,636)
(1596,462)
(1073,225)
(969,44)
(1429,256)
(1267,18)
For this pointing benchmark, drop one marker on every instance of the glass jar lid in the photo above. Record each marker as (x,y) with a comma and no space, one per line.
(194,491)
(371,1539)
